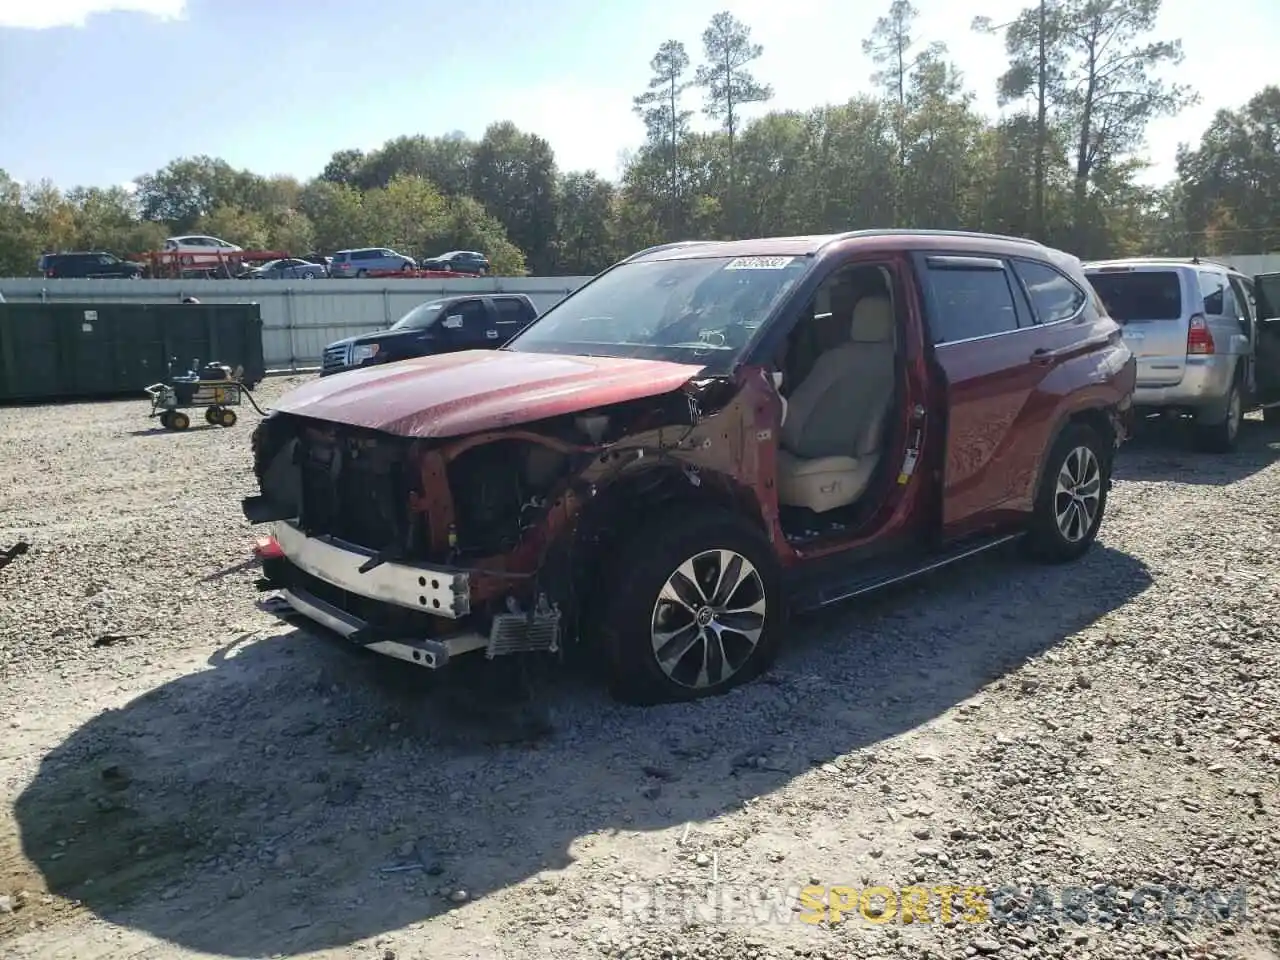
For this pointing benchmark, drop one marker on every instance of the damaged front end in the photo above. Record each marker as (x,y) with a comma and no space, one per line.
(426,549)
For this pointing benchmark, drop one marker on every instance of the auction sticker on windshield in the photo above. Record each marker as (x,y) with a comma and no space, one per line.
(758,263)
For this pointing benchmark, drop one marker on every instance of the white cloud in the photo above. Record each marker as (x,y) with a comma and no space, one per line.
(46,14)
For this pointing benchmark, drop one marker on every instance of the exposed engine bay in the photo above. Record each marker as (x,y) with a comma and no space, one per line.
(452,500)
(426,548)
(500,489)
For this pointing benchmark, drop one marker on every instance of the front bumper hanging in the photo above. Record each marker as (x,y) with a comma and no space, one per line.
(436,591)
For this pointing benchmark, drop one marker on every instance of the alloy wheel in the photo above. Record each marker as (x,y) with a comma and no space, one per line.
(708,619)
(1078,494)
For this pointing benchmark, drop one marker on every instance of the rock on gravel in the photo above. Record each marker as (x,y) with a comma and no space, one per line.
(215,783)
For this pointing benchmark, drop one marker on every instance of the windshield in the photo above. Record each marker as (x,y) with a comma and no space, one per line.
(420,317)
(697,310)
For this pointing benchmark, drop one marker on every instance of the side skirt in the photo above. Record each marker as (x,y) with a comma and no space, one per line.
(808,594)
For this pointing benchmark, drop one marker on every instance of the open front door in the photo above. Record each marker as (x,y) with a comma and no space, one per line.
(1267,297)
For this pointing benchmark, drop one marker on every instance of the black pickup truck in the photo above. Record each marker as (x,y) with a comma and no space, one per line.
(446,325)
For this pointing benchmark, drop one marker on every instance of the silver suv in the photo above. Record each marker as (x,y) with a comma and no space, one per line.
(367,260)
(1194,327)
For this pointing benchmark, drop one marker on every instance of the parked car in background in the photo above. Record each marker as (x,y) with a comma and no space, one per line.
(211,247)
(458,261)
(290,268)
(440,326)
(366,260)
(1205,348)
(89,264)
(698,442)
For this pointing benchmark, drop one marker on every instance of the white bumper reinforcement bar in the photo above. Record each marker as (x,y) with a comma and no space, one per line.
(425,653)
(444,593)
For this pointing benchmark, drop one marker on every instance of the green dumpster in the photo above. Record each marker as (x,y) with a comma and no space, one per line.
(79,350)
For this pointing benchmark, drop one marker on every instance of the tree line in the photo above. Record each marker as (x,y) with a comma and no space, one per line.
(1063,163)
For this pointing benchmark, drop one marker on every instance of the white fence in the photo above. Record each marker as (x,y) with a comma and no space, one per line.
(1253,265)
(299,318)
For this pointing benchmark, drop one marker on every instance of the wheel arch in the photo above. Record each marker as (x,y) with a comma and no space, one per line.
(584,557)
(1100,419)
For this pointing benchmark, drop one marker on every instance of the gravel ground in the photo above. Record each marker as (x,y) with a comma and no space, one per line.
(184,776)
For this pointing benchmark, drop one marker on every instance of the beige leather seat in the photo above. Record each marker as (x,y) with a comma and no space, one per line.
(831,437)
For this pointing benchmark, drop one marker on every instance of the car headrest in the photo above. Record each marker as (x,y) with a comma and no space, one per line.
(872,320)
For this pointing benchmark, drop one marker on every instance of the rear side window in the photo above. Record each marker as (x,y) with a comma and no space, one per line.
(969,303)
(1213,288)
(1140,294)
(364,255)
(512,311)
(1053,296)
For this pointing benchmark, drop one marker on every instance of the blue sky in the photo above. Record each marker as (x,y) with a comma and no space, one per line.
(99,91)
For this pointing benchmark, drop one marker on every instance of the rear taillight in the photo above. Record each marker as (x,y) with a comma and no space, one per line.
(1199,339)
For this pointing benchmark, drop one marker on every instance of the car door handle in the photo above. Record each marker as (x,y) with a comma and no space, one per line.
(1041,355)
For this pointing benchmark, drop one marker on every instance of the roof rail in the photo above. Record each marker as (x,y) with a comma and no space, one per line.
(902,232)
(1189,260)
(662,246)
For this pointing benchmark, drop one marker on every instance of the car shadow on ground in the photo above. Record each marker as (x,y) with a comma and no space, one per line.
(300,795)
(164,431)
(1166,451)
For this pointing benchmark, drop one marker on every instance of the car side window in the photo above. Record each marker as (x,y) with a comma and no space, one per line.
(1245,299)
(1214,291)
(512,311)
(1053,296)
(971,297)
(475,319)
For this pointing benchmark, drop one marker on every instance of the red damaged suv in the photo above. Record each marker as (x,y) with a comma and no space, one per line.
(699,442)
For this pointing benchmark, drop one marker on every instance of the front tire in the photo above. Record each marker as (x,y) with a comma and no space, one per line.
(1072,498)
(693,611)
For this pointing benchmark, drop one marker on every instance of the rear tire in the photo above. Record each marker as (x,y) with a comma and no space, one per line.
(723,633)
(1072,498)
(1222,437)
